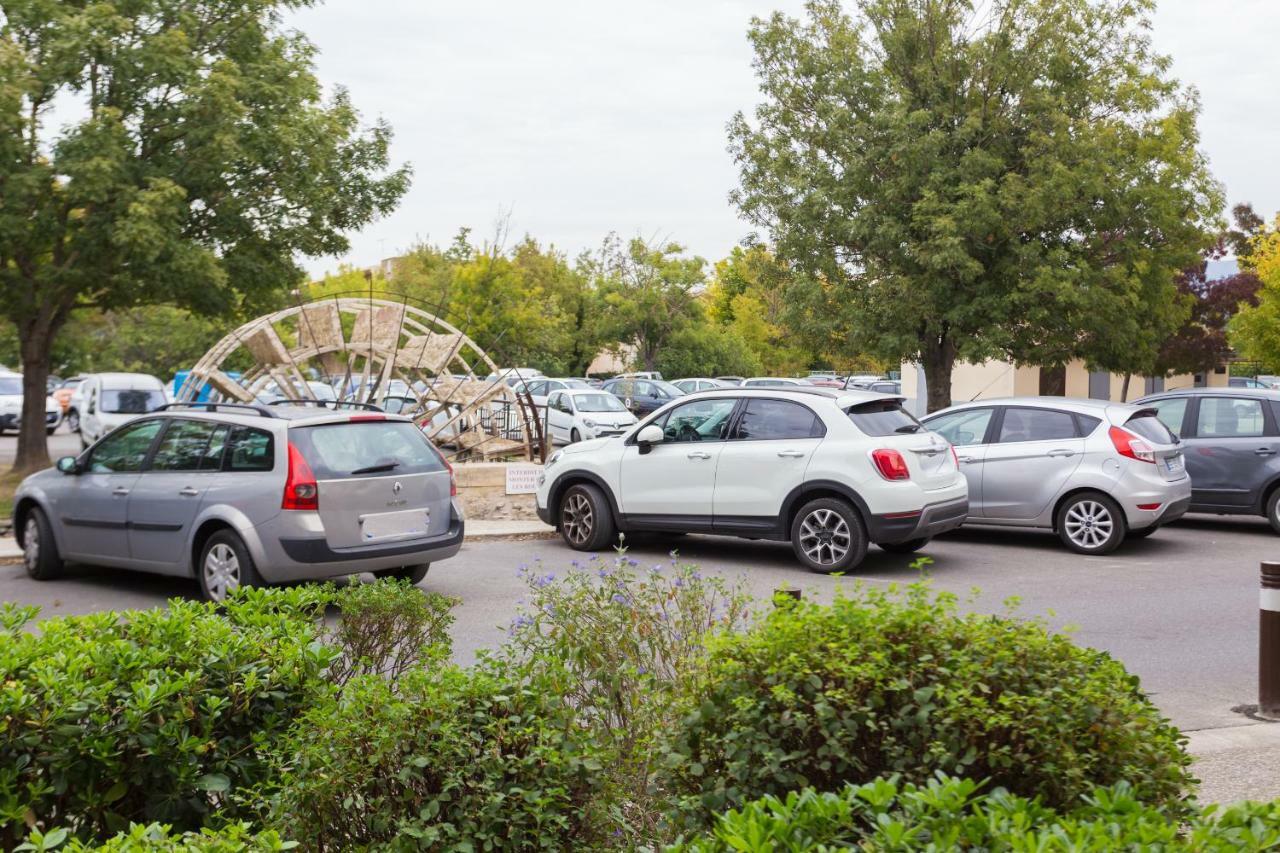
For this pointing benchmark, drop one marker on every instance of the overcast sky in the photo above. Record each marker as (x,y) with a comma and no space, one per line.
(580,118)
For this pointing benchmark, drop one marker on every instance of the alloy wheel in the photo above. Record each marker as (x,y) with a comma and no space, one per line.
(221,571)
(31,545)
(1089,524)
(577,519)
(824,537)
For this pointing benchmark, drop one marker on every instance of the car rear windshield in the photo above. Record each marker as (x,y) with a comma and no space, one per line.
(883,417)
(598,403)
(1148,426)
(366,449)
(131,401)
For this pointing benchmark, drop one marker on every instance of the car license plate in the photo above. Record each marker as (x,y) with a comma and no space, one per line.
(395,525)
(1174,463)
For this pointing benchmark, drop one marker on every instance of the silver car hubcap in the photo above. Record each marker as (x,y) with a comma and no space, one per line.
(578,519)
(31,544)
(221,571)
(1089,524)
(824,537)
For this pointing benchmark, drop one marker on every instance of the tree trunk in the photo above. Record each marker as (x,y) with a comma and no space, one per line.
(35,339)
(1124,389)
(939,360)
(1053,381)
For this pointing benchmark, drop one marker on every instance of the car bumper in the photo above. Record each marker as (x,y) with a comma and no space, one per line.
(931,520)
(311,558)
(1170,512)
(13,421)
(1143,487)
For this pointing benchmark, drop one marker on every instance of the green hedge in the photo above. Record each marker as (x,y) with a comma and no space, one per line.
(880,683)
(159,838)
(949,814)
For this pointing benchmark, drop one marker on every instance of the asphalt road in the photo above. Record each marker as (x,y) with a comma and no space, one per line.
(61,443)
(1179,608)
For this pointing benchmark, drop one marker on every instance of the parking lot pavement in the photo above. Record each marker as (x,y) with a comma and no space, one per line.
(61,443)
(1180,608)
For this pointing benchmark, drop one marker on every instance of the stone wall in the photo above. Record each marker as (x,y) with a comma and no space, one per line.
(482,489)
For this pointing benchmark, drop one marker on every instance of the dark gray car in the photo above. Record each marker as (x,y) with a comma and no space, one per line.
(1232,440)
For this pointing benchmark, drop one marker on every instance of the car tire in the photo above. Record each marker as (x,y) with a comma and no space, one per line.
(1091,523)
(413,574)
(908,547)
(828,536)
(586,522)
(574,436)
(39,548)
(225,564)
(50,430)
(73,420)
(1273,510)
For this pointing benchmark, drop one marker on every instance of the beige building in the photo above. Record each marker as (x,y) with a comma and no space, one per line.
(1002,379)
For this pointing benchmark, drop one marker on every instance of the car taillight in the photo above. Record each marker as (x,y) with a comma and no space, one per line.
(300,488)
(890,464)
(955,457)
(1128,444)
(453,476)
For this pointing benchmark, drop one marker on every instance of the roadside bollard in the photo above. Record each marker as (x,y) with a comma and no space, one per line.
(787,595)
(1269,642)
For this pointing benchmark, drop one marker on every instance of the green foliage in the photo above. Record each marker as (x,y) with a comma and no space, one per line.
(880,683)
(620,642)
(452,759)
(1255,329)
(949,814)
(150,715)
(708,350)
(963,180)
(388,628)
(159,838)
(748,297)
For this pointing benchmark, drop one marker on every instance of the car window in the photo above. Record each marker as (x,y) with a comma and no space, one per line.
(883,417)
(702,420)
(186,446)
(1035,425)
(365,448)
(622,388)
(250,449)
(1171,412)
(644,389)
(965,427)
(132,401)
(1229,417)
(1151,428)
(770,419)
(124,450)
(539,389)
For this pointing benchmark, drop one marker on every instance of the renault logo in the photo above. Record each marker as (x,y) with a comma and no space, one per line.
(396,488)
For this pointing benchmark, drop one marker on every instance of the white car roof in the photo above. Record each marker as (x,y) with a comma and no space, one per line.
(128,381)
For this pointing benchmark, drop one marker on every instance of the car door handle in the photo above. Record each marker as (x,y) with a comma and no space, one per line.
(189,492)
(699,454)
(120,491)
(1265,451)
(791,454)
(966,460)
(1062,452)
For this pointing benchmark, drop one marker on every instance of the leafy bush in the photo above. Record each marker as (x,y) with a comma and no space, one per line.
(949,814)
(151,715)
(387,628)
(158,838)
(619,642)
(880,683)
(446,759)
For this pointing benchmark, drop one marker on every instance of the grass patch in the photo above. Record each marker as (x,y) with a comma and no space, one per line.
(9,481)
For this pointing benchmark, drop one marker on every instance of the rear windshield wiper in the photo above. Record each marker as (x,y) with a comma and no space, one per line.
(908,428)
(376,469)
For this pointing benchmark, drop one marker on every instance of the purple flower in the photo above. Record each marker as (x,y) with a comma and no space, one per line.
(679,583)
(545,580)
(602,573)
(576,564)
(619,598)
(633,563)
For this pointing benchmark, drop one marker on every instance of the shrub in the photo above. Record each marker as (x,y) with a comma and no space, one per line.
(446,759)
(158,838)
(880,683)
(113,718)
(620,641)
(387,628)
(949,814)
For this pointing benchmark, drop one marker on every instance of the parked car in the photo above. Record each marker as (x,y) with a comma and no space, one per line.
(273,393)
(514,375)
(825,380)
(692,386)
(64,392)
(642,396)
(541,388)
(731,381)
(236,495)
(105,401)
(641,374)
(1232,440)
(862,381)
(775,382)
(885,387)
(11,398)
(585,413)
(1246,382)
(1094,472)
(829,473)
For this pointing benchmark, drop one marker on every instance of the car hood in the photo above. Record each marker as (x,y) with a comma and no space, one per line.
(587,446)
(610,419)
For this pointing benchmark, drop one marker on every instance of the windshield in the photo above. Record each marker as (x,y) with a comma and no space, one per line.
(370,448)
(131,401)
(671,390)
(598,403)
(576,383)
(883,417)
(11,385)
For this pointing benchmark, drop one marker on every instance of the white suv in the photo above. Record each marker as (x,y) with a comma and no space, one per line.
(830,471)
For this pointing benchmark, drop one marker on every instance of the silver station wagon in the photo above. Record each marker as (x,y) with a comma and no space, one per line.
(238,495)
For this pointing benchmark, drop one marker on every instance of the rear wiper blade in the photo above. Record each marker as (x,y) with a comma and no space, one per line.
(376,469)
(908,428)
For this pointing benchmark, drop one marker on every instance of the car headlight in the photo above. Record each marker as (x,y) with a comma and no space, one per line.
(587,422)
(555,457)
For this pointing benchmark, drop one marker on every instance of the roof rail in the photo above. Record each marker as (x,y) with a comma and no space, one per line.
(324,404)
(257,408)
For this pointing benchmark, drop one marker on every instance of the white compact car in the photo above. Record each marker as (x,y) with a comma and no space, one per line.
(585,413)
(830,471)
(105,401)
(11,405)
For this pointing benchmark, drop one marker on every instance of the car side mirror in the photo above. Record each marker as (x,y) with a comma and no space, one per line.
(69,465)
(648,437)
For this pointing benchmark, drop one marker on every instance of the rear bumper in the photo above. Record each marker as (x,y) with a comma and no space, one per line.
(309,558)
(932,520)
(1169,513)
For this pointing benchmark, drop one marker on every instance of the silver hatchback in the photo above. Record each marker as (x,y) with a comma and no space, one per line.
(1092,471)
(238,495)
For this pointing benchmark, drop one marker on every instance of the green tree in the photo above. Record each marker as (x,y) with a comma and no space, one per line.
(963,180)
(748,294)
(200,161)
(705,349)
(1255,329)
(647,293)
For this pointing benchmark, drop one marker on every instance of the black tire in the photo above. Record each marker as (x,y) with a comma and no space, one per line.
(216,583)
(73,420)
(39,549)
(50,430)
(908,547)
(828,536)
(586,522)
(413,574)
(1144,532)
(1273,510)
(574,436)
(1091,523)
